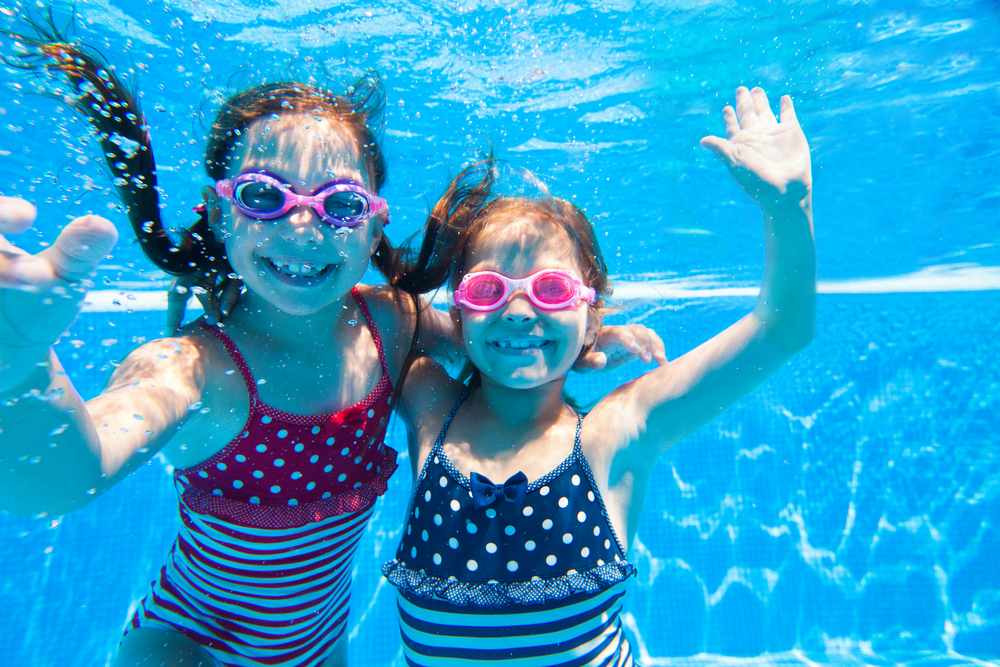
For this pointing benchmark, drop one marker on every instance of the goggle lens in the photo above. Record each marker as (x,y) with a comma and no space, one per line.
(259,197)
(344,205)
(484,291)
(553,288)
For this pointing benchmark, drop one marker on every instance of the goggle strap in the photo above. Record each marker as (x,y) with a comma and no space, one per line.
(224,188)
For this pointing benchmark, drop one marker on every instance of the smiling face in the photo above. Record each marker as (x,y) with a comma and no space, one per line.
(298,263)
(520,345)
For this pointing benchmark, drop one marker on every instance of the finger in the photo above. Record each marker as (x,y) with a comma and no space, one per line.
(788,111)
(176,307)
(646,348)
(762,106)
(230,295)
(16,215)
(594,361)
(658,348)
(746,111)
(731,122)
(210,304)
(79,247)
(721,147)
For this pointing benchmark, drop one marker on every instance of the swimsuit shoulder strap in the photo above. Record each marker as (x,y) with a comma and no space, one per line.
(577,449)
(237,358)
(447,422)
(360,300)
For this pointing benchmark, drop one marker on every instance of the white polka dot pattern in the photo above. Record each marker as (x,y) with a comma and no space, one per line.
(550,535)
(328,464)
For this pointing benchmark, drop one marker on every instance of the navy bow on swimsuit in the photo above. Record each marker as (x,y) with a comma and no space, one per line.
(484,491)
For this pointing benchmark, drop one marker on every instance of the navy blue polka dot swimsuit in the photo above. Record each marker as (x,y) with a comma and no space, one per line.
(537,564)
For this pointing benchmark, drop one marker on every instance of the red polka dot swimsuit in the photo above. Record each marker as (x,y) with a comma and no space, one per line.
(260,571)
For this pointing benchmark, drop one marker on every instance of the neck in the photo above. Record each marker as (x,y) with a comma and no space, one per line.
(520,409)
(257,317)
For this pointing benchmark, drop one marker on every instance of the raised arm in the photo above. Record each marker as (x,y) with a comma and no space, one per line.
(770,161)
(57,453)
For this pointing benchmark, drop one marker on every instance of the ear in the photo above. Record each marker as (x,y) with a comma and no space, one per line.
(213,206)
(376,234)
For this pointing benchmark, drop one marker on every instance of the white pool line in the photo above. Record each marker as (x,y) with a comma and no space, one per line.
(946,278)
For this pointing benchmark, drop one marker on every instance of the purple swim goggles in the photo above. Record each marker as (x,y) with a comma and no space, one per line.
(341,203)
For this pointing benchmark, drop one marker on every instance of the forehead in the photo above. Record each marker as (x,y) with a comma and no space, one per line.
(519,246)
(303,149)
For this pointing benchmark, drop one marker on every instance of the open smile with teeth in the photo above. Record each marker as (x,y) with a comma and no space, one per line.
(517,344)
(297,269)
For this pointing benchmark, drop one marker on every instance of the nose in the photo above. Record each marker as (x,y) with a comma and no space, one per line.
(519,308)
(302,227)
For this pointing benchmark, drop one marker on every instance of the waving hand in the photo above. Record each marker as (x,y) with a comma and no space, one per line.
(40,294)
(768,158)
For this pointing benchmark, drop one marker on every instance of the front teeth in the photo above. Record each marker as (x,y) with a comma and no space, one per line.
(298,270)
(521,344)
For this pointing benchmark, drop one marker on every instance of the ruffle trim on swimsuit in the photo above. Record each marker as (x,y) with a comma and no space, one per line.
(494,594)
(294,516)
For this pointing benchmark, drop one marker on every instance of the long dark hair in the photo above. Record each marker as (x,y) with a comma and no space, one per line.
(459,217)
(112,109)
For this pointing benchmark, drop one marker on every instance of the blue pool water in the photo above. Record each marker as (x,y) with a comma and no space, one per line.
(846,513)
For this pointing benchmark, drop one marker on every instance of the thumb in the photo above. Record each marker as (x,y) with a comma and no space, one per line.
(721,147)
(79,247)
(16,215)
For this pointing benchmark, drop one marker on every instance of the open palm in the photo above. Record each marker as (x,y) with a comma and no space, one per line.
(768,158)
(40,294)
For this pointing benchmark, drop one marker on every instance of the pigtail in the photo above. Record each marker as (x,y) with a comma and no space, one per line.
(445,235)
(111,107)
(449,225)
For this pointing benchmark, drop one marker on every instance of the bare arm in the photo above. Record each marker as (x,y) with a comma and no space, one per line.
(438,338)
(770,160)
(57,453)
(428,395)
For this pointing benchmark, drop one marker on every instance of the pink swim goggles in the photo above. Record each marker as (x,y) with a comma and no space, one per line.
(549,289)
(341,203)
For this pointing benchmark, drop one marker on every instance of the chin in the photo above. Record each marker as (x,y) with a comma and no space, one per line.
(298,309)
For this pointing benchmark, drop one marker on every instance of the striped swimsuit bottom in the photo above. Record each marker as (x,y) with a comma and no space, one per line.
(254,596)
(578,632)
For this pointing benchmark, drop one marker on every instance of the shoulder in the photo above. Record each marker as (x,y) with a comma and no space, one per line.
(429,390)
(391,309)
(182,358)
(394,314)
(428,396)
(610,429)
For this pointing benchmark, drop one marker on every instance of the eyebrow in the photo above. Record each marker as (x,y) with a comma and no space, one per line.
(337,181)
